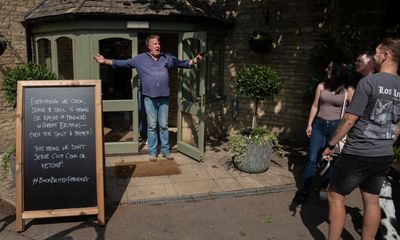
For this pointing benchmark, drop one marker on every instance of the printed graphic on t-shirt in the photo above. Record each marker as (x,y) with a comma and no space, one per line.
(381,125)
(396,109)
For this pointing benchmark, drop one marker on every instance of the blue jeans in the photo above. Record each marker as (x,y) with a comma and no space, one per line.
(322,131)
(157,116)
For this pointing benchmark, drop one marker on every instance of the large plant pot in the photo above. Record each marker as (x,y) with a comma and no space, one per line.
(256,159)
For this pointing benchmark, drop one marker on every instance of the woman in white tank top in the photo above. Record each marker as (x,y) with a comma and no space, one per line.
(324,117)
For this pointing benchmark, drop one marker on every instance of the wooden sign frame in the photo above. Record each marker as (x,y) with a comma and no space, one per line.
(21,214)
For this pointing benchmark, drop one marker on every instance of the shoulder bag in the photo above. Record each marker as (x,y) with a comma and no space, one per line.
(339,146)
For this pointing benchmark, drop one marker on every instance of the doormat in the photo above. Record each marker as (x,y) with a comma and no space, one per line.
(146,169)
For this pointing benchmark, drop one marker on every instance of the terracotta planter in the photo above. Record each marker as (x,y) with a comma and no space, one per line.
(256,159)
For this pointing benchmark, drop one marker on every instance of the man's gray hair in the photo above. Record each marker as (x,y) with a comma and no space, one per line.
(152,36)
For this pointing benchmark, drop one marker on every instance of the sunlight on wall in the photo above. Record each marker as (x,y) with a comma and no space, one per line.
(232,70)
(278,107)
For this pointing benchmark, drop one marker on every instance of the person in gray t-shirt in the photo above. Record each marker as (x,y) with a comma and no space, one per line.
(372,126)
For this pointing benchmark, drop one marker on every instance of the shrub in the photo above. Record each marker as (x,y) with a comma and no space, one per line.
(28,71)
(259,82)
(396,152)
(5,163)
(238,143)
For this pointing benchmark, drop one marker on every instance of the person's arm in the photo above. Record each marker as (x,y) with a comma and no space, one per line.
(197,59)
(314,109)
(344,127)
(350,94)
(101,60)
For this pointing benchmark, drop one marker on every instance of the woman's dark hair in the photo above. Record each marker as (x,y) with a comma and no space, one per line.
(339,78)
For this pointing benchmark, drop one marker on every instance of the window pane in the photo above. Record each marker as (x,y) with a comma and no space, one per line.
(116,82)
(190,78)
(190,129)
(118,126)
(44,52)
(65,58)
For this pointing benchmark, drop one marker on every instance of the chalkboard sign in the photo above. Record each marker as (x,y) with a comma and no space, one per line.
(59,149)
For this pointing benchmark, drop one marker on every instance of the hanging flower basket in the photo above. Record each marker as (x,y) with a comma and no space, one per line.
(260,42)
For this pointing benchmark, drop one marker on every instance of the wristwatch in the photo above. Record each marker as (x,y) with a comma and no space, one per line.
(330,147)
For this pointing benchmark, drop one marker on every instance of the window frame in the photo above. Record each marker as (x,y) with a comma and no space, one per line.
(53,47)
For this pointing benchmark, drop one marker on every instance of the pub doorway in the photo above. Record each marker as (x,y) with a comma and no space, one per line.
(169,44)
(120,84)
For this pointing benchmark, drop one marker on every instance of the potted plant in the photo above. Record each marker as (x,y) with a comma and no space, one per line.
(259,82)
(28,71)
(260,42)
(3,43)
(251,148)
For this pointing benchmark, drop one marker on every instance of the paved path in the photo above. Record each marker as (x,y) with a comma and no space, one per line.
(213,175)
(267,214)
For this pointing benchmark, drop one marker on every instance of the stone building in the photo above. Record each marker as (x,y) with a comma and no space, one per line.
(51,32)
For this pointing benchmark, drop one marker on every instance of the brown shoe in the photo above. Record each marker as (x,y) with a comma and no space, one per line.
(153,159)
(169,157)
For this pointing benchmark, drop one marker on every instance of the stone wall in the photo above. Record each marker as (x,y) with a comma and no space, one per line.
(295,27)
(11,15)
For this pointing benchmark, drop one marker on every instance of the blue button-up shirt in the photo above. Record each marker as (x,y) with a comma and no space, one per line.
(154,75)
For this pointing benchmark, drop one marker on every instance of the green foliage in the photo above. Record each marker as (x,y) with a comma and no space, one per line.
(237,144)
(258,81)
(5,163)
(340,49)
(396,151)
(28,71)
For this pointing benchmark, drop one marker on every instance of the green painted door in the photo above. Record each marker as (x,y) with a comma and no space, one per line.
(119,91)
(191,96)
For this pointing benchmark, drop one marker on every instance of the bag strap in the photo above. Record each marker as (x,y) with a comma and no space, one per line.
(344,103)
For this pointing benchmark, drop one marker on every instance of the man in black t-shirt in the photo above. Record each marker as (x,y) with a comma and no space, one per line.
(372,125)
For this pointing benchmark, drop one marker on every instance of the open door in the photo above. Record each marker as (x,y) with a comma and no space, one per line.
(191,96)
(119,92)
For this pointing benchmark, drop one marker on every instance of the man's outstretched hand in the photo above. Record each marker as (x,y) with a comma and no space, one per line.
(99,59)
